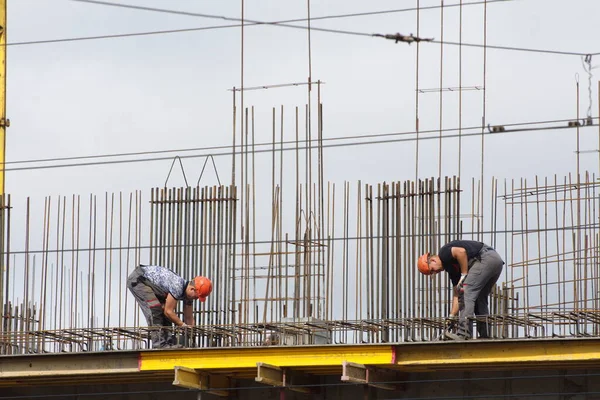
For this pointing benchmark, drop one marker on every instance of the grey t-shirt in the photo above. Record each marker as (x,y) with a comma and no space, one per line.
(165,280)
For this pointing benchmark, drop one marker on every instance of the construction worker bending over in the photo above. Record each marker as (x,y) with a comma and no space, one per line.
(157,290)
(474,268)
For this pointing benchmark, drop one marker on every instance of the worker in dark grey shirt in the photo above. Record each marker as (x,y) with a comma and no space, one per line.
(474,269)
(157,290)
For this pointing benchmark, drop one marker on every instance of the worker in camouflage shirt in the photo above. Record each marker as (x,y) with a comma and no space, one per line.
(157,290)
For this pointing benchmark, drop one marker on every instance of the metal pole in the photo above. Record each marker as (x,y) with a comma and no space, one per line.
(4,122)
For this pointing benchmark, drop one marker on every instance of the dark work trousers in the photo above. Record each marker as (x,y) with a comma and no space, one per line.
(478,284)
(152,308)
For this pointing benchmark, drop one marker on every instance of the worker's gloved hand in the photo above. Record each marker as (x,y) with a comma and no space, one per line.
(186,330)
(460,287)
(451,322)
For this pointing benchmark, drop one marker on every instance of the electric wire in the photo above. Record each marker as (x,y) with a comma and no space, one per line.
(512,48)
(287,22)
(336,384)
(588,68)
(161,32)
(333,239)
(118,35)
(335,16)
(500,396)
(338,145)
(270,144)
(487,396)
(269,150)
(284,23)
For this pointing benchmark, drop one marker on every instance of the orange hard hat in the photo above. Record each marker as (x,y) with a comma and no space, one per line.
(203,287)
(423,265)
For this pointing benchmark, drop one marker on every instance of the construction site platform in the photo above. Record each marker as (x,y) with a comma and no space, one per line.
(194,367)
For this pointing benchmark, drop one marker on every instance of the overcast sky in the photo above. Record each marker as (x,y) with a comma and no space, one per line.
(170,91)
(162,92)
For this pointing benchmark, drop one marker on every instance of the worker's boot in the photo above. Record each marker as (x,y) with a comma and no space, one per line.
(453,336)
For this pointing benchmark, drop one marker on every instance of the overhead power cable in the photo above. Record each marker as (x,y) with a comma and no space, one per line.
(511,378)
(511,48)
(247,21)
(284,23)
(117,35)
(268,146)
(398,37)
(224,147)
(32,251)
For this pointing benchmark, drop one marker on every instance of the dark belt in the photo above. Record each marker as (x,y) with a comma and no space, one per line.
(485,249)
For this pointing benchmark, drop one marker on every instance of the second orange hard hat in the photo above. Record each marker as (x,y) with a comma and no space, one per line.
(203,287)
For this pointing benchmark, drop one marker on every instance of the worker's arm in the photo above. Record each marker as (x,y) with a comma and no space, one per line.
(170,305)
(454,310)
(187,314)
(460,255)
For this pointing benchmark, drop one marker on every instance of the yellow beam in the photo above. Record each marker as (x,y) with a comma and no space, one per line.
(269,375)
(147,366)
(367,375)
(191,379)
(285,378)
(75,364)
(3,120)
(187,378)
(241,358)
(497,354)
(406,356)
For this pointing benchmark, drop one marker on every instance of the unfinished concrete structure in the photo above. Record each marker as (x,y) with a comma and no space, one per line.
(315,284)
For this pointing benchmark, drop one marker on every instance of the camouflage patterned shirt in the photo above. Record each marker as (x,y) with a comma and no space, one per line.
(165,280)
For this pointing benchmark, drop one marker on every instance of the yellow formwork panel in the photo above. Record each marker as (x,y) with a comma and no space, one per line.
(239,358)
(498,353)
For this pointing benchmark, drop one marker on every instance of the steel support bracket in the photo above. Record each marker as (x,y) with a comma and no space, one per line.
(368,375)
(285,378)
(190,378)
(269,375)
